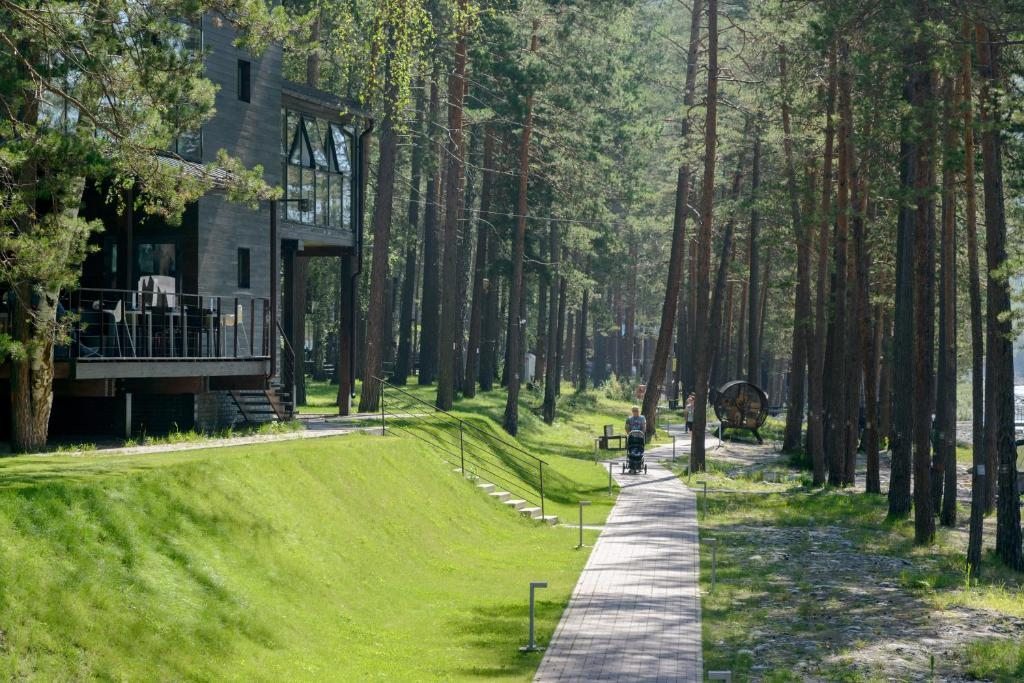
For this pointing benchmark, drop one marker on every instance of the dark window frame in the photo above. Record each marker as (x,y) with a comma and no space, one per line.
(299,157)
(244,268)
(244,79)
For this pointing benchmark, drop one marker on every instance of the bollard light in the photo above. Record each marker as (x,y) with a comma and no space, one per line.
(532,646)
(609,478)
(704,500)
(582,504)
(714,561)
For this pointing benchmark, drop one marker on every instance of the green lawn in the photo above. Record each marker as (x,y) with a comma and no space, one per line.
(349,558)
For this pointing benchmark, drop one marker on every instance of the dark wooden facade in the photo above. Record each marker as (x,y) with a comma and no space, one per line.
(148,363)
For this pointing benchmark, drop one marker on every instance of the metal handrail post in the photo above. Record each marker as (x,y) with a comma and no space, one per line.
(462,443)
(541,467)
(383,430)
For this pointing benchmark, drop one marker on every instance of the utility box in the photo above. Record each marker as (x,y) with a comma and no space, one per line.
(529,368)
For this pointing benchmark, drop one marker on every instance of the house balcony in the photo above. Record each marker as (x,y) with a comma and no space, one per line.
(156,332)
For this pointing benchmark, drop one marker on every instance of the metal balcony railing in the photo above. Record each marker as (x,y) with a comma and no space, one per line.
(111,324)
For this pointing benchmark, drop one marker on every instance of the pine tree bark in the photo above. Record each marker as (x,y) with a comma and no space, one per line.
(369,398)
(817,346)
(560,333)
(792,441)
(476,309)
(838,429)
(581,347)
(945,412)
(978,480)
(999,415)
(924,290)
(542,316)
(903,334)
(872,369)
(451,326)
(556,308)
(467,242)
(430,303)
(678,250)
(516,332)
(403,362)
(702,282)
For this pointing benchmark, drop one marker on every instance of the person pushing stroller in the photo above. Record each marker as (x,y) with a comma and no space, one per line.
(636,436)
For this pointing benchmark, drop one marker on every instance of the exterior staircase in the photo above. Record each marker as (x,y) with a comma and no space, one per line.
(505,498)
(259,406)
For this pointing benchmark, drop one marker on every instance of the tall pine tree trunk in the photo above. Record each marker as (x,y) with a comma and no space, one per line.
(369,398)
(556,309)
(451,326)
(945,411)
(801,308)
(837,405)
(702,279)
(430,302)
(924,290)
(817,346)
(476,310)
(516,335)
(403,362)
(678,251)
(999,413)
(978,480)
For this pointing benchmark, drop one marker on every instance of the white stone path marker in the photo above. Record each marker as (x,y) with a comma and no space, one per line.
(635,612)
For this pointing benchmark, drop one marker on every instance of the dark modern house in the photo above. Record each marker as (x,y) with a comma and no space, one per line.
(196,325)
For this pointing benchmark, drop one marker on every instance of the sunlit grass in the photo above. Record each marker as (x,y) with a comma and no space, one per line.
(348,558)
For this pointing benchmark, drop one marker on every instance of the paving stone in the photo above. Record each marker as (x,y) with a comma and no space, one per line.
(635,612)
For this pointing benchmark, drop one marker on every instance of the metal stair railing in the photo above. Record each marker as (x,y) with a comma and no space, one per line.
(287,372)
(462,444)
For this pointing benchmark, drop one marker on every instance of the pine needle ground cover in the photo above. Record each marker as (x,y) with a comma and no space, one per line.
(818,584)
(352,558)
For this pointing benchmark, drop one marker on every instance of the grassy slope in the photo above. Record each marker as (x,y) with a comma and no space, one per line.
(567,445)
(343,559)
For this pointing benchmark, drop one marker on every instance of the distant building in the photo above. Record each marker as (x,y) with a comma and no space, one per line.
(197,325)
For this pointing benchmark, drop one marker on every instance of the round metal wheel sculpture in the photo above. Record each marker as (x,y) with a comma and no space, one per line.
(741,405)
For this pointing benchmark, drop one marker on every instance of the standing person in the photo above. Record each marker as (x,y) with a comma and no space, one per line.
(636,422)
(690,400)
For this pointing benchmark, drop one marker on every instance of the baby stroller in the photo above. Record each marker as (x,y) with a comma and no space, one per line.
(635,453)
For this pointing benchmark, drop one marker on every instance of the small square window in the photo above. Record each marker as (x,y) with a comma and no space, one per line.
(244,80)
(243,269)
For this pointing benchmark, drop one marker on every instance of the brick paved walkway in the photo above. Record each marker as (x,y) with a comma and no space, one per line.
(635,613)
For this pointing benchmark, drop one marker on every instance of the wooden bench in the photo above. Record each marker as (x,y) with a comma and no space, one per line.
(603,441)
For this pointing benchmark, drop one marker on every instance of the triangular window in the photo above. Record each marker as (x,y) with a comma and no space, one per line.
(315,138)
(339,150)
(301,152)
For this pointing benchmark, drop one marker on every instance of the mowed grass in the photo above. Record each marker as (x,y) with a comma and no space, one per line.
(571,472)
(352,558)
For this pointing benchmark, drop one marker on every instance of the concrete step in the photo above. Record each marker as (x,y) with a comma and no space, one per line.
(501,496)
(532,513)
(516,504)
(551,519)
(486,488)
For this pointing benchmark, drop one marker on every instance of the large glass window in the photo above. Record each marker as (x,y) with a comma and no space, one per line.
(157,259)
(318,168)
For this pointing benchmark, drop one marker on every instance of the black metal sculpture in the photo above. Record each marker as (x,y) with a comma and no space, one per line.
(741,405)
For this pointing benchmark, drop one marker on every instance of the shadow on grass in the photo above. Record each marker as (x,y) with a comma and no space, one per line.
(826,577)
(497,632)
